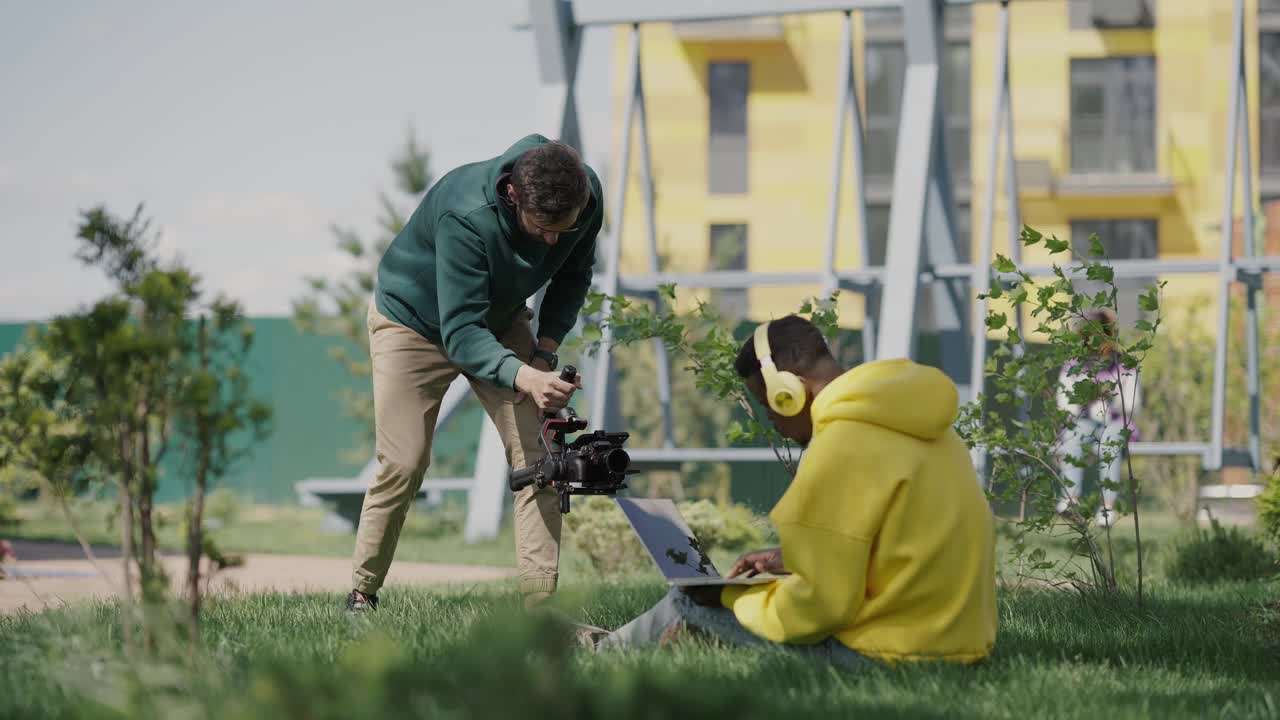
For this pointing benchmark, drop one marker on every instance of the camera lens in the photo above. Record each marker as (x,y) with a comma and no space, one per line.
(617,460)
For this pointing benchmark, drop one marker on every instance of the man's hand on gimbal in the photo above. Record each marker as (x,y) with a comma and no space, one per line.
(544,386)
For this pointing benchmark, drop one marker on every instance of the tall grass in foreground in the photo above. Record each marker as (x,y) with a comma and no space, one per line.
(1211,652)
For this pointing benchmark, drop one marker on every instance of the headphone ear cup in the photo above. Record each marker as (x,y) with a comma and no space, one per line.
(787,394)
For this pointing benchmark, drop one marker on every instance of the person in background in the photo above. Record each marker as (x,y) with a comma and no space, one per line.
(1101,424)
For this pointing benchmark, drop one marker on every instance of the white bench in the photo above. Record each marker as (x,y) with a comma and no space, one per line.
(346,495)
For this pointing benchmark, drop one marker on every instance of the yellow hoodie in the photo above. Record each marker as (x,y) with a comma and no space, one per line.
(887,534)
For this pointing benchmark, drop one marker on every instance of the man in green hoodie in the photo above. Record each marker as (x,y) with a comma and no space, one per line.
(451,298)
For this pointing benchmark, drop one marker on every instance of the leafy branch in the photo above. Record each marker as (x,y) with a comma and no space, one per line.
(1039,396)
(704,342)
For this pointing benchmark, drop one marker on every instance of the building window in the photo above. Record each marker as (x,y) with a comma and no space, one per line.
(886,67)
(1269,97)
(727,250)
(728,84)
(1112,14)
(955,102)
(1123,240)
(878,233)
(1113,119)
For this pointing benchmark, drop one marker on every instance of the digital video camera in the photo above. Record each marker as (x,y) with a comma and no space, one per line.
(593,464)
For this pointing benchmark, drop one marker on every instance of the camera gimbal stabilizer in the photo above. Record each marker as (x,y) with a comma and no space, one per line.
(593,464)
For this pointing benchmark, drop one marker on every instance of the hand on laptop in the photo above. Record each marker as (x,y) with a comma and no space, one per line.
(759,562)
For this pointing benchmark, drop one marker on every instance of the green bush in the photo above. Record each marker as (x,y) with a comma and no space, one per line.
(599,529)
(13,485)
(222,507)
(1219,554)
(446,519)
(530,660)
(8,510)
(1269,509)
(731,528)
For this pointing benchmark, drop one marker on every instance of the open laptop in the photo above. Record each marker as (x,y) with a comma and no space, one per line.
(665,534)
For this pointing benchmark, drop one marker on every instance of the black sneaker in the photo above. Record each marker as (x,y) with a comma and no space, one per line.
(359,602)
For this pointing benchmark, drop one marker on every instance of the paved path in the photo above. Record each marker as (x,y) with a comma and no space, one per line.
(50,574)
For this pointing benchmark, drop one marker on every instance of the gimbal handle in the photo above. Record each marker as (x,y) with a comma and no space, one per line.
(569,374)
(521,479)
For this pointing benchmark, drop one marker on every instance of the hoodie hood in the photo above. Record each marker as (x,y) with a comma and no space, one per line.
(503,165)
(505,162)
(897,395)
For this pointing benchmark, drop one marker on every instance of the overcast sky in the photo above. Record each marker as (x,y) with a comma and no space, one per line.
(246,127)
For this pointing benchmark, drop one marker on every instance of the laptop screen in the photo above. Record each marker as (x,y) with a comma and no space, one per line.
(667,537)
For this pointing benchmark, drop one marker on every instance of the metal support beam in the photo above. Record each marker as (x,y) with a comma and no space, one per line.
(844,83)
(1011,162)
(949,297)
(642,284)
(489,487)
(662,361)
(913,163)
(1226,273)
(602,362)
(1252,286)
(618,12)
(982,272)
(557,41)
(982,275)
(847,105)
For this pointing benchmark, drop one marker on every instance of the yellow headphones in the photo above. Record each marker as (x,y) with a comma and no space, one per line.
(784,390)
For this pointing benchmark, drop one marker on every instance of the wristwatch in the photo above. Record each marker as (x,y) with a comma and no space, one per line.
(552,359)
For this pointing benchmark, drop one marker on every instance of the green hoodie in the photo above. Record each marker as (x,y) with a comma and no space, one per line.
(462,268)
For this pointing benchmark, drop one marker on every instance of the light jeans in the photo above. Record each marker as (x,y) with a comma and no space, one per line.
(676,607)
(1086,430)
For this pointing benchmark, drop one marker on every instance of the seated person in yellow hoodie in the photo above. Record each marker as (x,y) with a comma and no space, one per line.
(887,540)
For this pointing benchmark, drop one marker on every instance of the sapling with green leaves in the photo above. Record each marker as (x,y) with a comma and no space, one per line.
(41,433)
(219,421)
(105,394)
(1028,414)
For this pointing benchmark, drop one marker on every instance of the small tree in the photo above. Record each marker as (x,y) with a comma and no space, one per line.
(40,432)
(337,308)
(106,392)
(127,359)
(1018,422)
(219,420)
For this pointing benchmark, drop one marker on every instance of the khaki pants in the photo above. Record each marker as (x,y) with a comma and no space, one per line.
(410,377)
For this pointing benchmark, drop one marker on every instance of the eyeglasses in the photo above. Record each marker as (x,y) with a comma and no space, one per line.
(542,230)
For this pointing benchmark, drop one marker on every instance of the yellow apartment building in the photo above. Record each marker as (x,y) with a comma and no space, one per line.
(1120,110)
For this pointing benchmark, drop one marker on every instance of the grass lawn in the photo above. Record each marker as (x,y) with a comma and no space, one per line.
(1188,653)
(297,530)
(266,528)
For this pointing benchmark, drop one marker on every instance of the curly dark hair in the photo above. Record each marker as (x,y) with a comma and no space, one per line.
(551,181)
(797,346)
